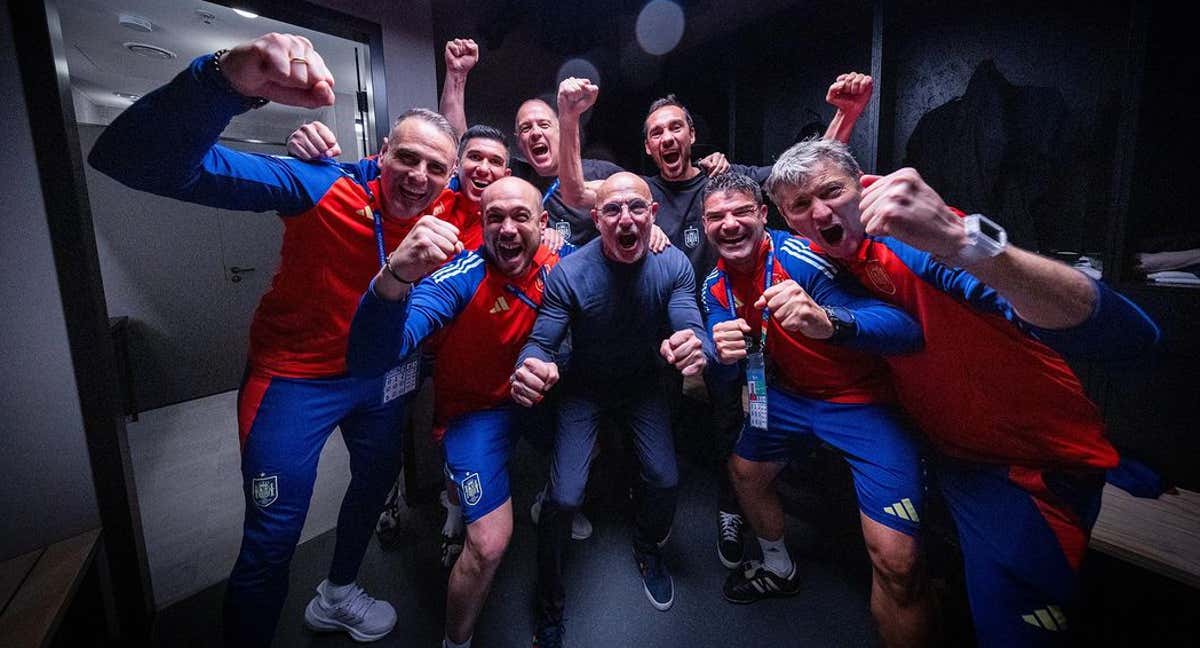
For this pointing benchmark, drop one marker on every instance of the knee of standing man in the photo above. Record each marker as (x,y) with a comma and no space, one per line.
(897,563)
(488,543)
(664,476)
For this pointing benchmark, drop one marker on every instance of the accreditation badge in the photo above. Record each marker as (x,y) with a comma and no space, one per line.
(756,387)
(401,380)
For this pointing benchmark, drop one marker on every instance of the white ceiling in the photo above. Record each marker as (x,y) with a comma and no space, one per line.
(100,65)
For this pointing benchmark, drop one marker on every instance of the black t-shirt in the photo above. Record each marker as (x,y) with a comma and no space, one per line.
(681,214)
(574,224)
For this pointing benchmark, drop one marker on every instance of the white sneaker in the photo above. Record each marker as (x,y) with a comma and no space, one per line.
(359,615)
(581,527)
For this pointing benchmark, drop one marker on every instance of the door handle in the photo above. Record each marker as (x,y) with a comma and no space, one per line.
(238,272)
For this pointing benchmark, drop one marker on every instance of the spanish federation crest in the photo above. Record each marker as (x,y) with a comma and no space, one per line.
(472,489)
(880,278)
(265,490)
(691,236)
(564,228)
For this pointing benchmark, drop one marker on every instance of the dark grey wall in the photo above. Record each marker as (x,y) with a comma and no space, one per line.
(47,493)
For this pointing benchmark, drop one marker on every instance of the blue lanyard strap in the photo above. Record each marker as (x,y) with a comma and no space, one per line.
(550,192)
(520,294)
(768,276)
(380,247)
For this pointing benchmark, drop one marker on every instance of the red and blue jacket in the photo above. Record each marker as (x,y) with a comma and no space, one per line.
(987,386)
(848,371)
(478,318)
(166,143)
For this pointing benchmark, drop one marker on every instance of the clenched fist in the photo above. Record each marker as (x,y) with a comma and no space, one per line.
(730,340)
(279,67)
(313,141)
(575,96)
(850,93)
(431,243)
(684,350)
(901,205)
(532,379)
(461,55)
(794,311)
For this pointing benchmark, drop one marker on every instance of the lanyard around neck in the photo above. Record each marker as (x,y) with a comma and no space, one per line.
(550,192)
(520,294)
(768,276)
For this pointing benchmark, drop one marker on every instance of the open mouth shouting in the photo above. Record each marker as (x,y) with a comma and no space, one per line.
(627,241)
(509,250)
(540,151)
(833,234)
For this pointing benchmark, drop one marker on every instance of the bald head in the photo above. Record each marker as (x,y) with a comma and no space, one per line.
(622,182)
(624,214)
(513,219)
(511,188)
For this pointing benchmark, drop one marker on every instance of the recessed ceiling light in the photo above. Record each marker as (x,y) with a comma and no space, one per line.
(127,95)
(136,23)
(149,51)
(245,14)
(206,17)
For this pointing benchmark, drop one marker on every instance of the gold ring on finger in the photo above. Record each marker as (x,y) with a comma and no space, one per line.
(299,59)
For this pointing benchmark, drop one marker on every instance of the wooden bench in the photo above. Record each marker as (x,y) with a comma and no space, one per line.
(37,588)
(1161,535)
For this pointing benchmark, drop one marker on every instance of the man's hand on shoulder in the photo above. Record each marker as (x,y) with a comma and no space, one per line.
(659,240)
(532,380)
(279,67)
(313,141)
(685,351)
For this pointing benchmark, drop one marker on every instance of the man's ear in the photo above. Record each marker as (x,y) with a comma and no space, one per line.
(646,146)
(507,172)
(383,147)
(544,219)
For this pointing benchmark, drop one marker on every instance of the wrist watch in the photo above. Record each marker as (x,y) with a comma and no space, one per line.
(844,325)
(985,239)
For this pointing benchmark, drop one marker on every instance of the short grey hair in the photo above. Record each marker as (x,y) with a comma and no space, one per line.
(796,165)
(430,117)
(732,182)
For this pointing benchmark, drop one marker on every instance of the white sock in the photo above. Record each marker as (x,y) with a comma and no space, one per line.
(449,643)
(776,558)
(335,593)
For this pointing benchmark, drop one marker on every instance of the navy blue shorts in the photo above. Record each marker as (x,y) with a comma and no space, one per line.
(884,456)
(478,446)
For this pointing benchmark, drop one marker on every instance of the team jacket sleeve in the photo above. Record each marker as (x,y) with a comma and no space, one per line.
(553,320)
(881,328)
(714,313)
(384,332)
(166,144)
(682,311)
(1117,331)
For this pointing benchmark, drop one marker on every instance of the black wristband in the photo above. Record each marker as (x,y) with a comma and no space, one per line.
(247,102)
(388,265)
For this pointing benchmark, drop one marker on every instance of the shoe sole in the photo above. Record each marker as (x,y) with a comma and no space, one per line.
(661,607)
(726,563)
(318,625)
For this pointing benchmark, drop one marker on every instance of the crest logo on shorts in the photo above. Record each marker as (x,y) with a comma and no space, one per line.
(691,236)
(472,489)
(563,228)
(264,490)
(880,278)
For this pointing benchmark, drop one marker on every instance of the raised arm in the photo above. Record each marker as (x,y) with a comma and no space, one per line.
(850,94)
(461,55)
(1046,294)
(575,96)
(166,142)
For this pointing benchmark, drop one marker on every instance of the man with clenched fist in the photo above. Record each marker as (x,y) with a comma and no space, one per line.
(337,225)
(625,309)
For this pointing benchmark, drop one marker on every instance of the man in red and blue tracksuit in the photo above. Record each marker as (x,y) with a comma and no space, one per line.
(480,308)
(1021,452)
(816,337)
(296,390)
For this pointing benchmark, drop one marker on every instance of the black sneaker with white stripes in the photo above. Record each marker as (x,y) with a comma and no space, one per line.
(729,542)
(752,582)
